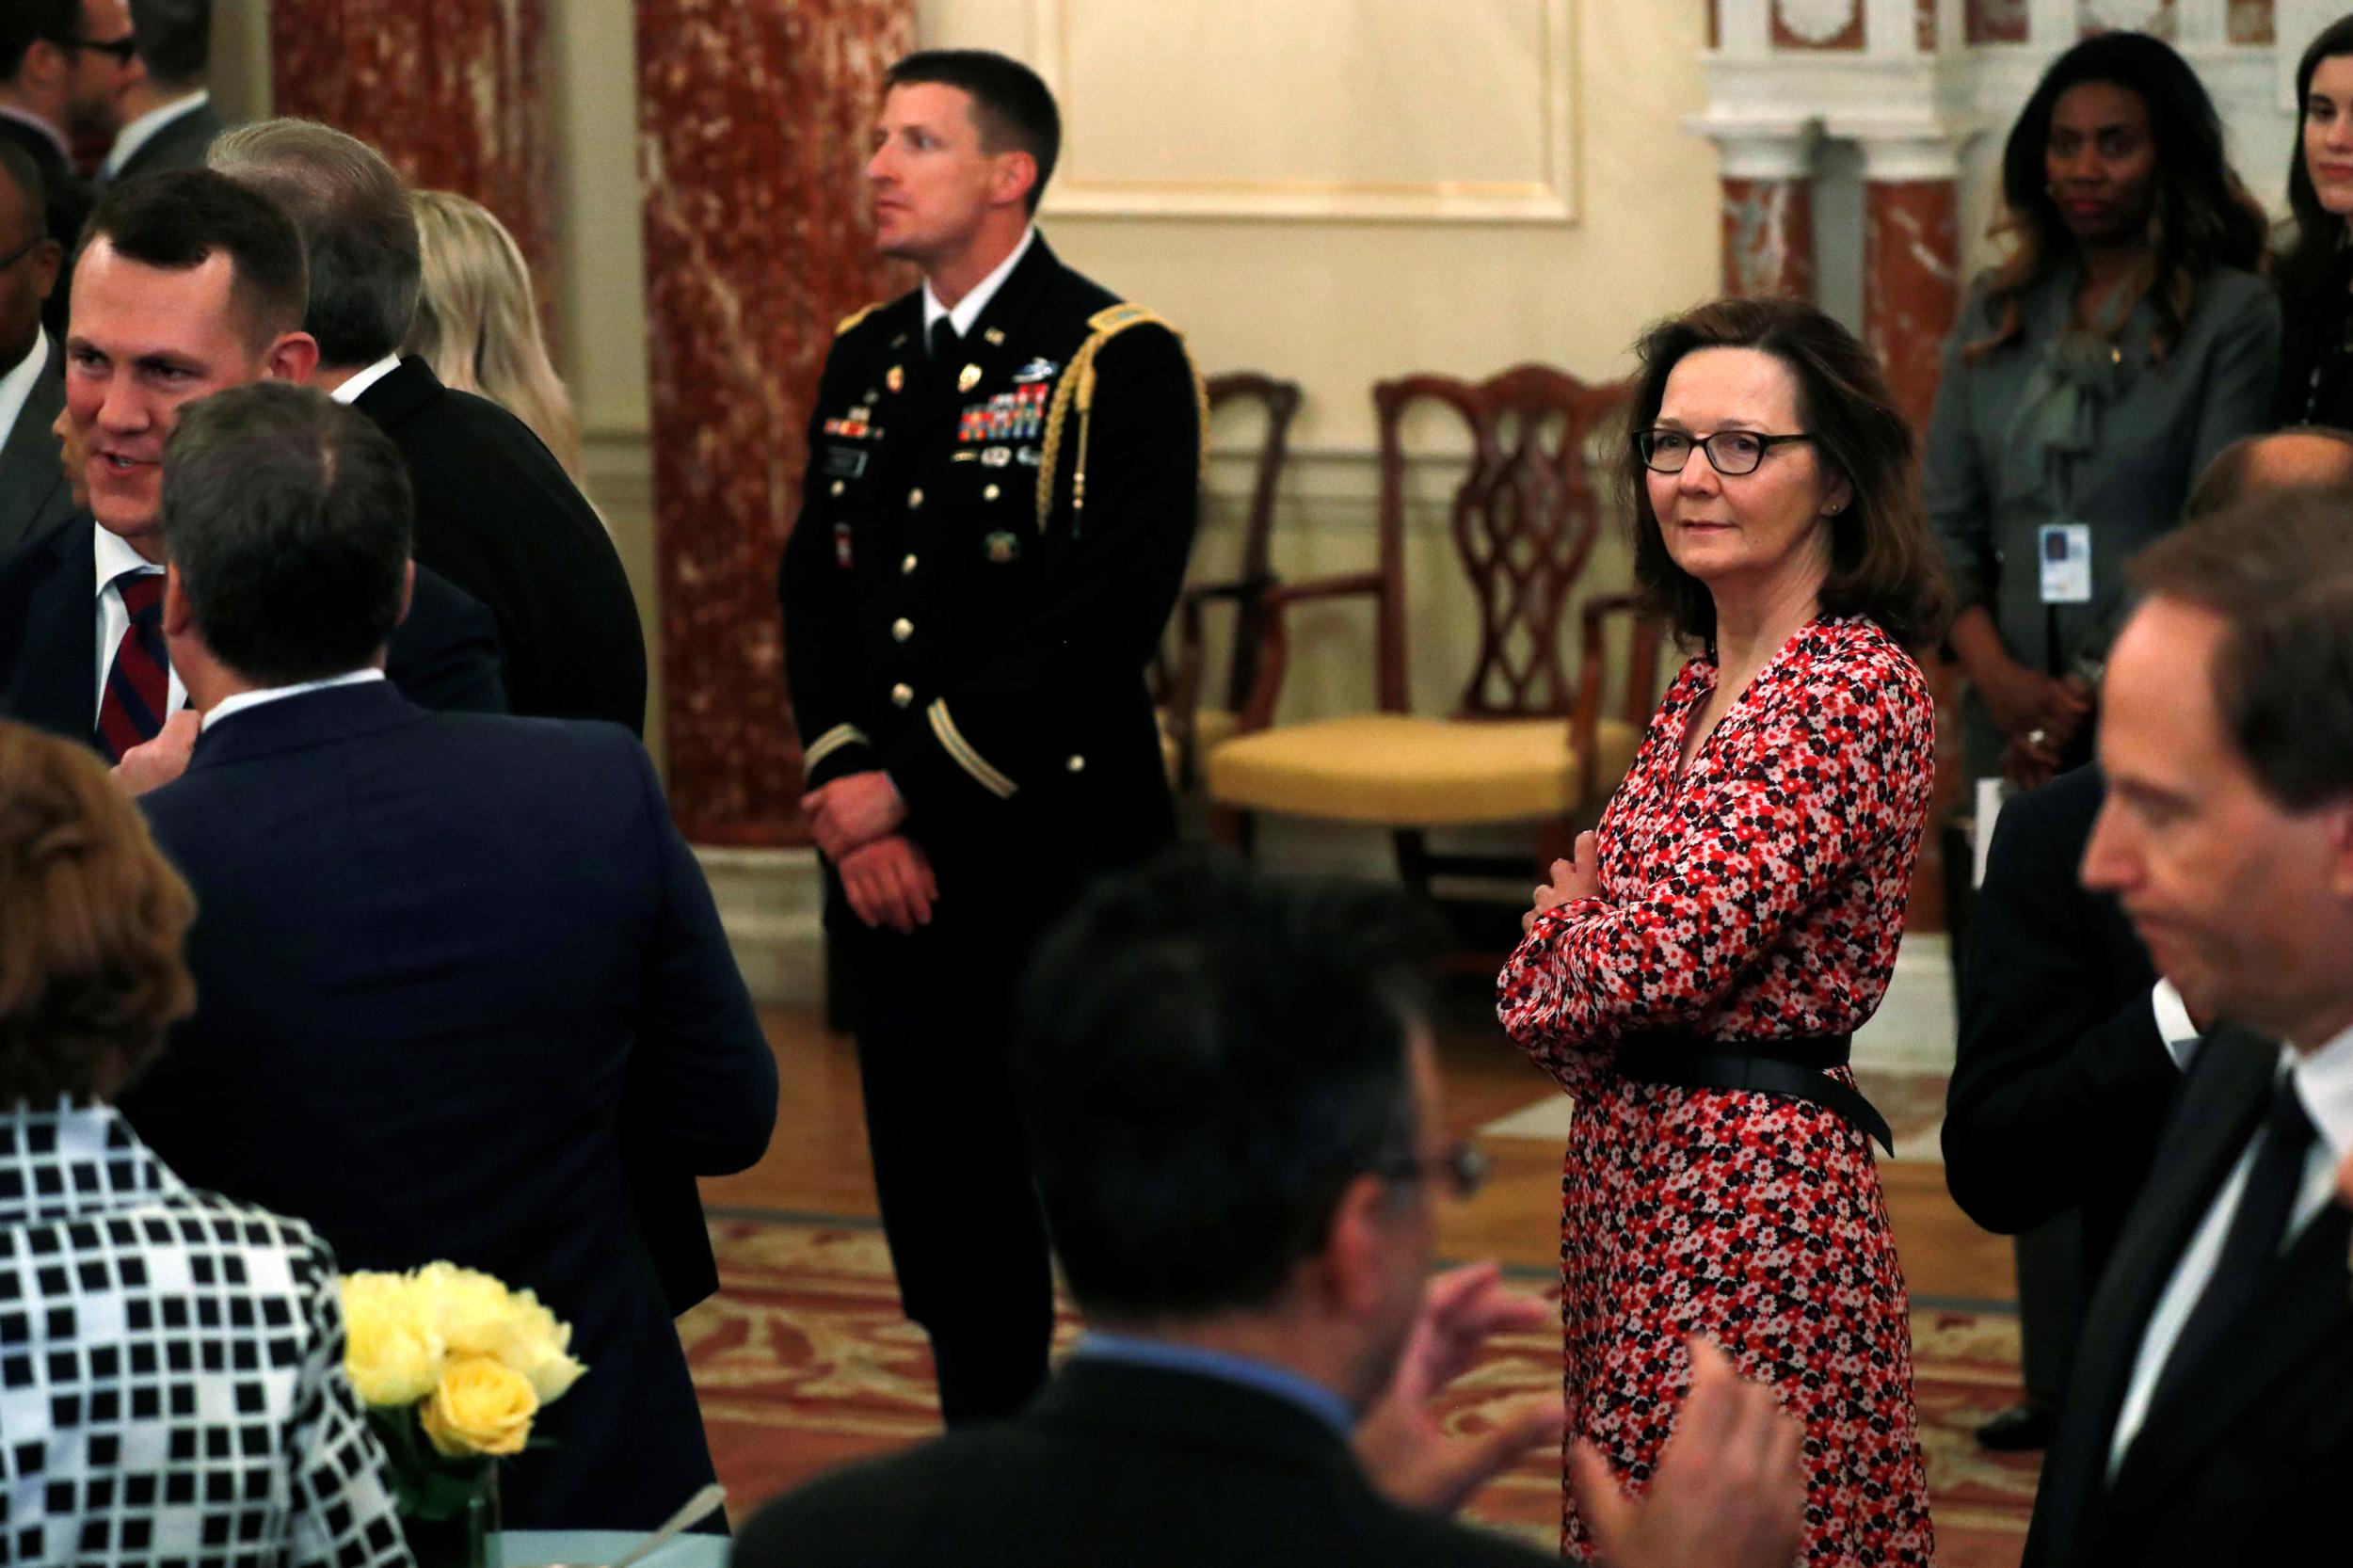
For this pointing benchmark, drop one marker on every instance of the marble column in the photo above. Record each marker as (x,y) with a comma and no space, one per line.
(1769,214)
(753,124)
(449,91)
(1911,262)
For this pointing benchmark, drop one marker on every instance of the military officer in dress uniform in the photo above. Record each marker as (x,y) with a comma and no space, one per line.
(1004,467)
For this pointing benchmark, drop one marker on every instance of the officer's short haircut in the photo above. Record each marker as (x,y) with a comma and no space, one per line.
(353,212)
(288,517)
(24,21)
(18,169)
(1011,105)
(1205,1058)
(175,39)
(177,219)
(2228,477)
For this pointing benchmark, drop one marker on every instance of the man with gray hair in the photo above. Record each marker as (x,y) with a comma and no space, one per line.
(496,513)
(168,115)
(462,991)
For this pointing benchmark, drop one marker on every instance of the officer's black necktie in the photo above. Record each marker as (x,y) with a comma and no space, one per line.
(2251,1249)
(945,342)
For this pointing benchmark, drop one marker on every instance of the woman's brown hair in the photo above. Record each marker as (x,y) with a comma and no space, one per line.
(1883,563)
(91,926)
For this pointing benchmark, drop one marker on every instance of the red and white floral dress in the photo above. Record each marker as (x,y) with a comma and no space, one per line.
(1758,896)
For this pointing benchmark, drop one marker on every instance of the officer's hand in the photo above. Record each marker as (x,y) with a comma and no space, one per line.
(888,882)
(1728,1491)
(856,809)
(151,764)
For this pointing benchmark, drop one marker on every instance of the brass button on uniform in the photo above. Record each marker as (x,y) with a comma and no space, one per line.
(906,567)
(989,494)
(901,695)
(902,629)
(914,498)
(839,485)
(1077,765)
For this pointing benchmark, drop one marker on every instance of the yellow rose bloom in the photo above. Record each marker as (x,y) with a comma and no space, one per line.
(540,1346)
(480,1406)
(468,1308)
(392,1352)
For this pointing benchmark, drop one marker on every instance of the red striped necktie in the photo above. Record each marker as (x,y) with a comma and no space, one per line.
(139,683)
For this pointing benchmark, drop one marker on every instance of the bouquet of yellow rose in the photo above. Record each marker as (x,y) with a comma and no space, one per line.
(452,1366)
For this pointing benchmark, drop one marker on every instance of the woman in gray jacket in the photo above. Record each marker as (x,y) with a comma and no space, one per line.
(2124,342)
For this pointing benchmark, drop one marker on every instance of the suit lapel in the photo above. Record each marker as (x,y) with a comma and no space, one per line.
(30,474)
(400,393)
(2222,1099)
(58,684)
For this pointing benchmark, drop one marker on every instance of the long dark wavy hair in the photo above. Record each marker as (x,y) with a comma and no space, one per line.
(2314,254)
(2201,216)
(1883,563)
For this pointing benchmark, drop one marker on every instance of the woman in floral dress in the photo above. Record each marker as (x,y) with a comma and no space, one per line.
(1693,975)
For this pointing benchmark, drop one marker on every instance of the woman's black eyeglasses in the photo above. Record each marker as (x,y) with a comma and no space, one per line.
(1730,452)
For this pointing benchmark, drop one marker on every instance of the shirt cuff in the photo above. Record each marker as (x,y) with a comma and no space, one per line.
(2173,1025)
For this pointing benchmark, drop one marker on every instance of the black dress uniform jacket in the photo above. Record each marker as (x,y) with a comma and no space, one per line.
(986,555)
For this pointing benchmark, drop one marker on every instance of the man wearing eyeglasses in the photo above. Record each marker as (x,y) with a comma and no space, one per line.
(65,66)
(1234,1113)
(33,490)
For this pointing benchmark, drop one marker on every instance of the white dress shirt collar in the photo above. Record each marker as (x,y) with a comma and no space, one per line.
(55,138)
(967,310)
(114,555)
(18,384)
(142,130)
(2324,1081)
(245,700)
(361,380)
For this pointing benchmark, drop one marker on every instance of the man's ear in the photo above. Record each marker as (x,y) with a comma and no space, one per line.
(178,617)
(293,358)
(1352,1252)
(1015,178)
(407,591)
(2337,817)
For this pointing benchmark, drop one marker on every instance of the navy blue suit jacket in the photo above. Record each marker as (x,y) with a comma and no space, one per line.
(463,994)
(444,655)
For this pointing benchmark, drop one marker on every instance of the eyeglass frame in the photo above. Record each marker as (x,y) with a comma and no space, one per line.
(1462,1163)
(124,49)
(1644,443)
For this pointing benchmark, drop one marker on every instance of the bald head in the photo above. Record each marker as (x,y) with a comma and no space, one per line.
(2304,457)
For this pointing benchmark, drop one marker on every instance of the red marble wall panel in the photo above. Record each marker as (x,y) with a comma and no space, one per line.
(1715,23)
(1817,24)
(449,91)
(2253,22)
(1911,283)
(2154,17)
(1768,238)
(1995,21)
(754,118)
(1924,26)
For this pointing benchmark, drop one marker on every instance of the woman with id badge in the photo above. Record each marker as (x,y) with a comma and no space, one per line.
(2123,341)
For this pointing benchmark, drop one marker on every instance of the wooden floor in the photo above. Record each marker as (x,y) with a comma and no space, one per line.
(817,1165)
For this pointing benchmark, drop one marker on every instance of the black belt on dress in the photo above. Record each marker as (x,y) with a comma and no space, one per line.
(1795,1067)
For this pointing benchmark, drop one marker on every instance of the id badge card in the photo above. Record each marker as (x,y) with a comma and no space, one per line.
(2065,551)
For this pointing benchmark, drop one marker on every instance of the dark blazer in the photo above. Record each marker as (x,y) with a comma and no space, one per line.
(1117,1464)
(33,488)
(459,980)
(67,209)
(498,516)
(2060,1082)
(2246,1461)
(444,655)
(179,144)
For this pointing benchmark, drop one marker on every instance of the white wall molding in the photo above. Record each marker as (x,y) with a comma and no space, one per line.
(772,904)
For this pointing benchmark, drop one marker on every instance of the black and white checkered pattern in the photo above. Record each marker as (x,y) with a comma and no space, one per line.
(171,1384)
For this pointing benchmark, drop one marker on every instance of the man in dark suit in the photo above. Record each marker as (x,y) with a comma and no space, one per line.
(65,67)
(2205,1419)
(966,623)
(2071,1046)
(168,117)
(496,513)
(1228,1086)
(33,491)
(189,284)
(461,986)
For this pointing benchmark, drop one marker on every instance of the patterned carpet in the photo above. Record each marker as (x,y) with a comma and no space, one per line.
(803,1363)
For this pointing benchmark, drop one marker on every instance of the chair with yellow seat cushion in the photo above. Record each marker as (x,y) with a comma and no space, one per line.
(1528,742)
